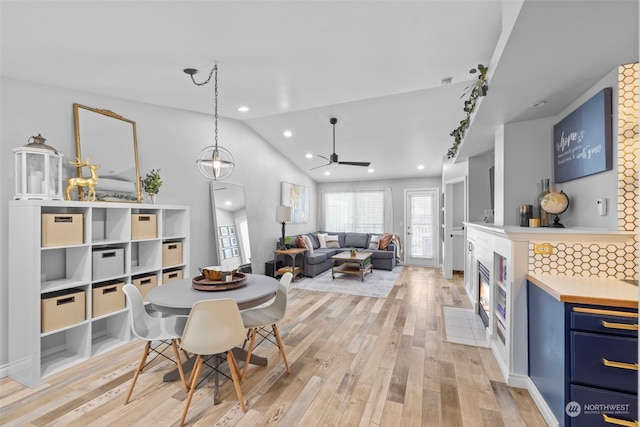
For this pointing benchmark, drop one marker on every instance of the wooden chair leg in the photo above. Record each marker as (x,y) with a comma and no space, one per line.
(247,338)
(254,332)
(143,360)
(179,363)
(195,374)
(281,347)
(233,367)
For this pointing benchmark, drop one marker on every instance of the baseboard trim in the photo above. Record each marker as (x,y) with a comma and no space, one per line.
(4,370)
(541,404)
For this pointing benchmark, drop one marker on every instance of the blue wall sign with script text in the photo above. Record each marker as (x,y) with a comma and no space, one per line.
(582,140)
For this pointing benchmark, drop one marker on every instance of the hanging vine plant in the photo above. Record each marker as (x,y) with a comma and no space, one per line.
(476,90)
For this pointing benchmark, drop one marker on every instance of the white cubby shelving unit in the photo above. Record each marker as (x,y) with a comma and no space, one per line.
(35,270)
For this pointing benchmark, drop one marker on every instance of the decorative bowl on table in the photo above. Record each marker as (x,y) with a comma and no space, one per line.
(216,273)
(201,283)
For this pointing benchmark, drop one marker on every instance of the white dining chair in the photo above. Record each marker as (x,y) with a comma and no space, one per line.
(213,327)
(160,333)
(258,320)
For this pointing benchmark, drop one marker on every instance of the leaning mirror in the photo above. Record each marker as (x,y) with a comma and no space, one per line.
(109,141)
(231,225)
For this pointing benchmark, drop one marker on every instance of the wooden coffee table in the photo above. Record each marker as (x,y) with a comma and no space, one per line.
(359,263)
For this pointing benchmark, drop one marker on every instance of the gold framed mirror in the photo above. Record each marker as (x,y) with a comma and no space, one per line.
(110,141)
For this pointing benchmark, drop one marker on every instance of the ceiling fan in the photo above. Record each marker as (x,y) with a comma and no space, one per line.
(333,158)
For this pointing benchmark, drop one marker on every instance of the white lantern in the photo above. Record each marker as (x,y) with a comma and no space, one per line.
(38,171)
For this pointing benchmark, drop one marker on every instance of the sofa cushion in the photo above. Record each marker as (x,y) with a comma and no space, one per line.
(314,241)
(322,240)
(307,243)
(385,239)
(332,242)
(378,254)
(374,241)
(356,240)
(318,257)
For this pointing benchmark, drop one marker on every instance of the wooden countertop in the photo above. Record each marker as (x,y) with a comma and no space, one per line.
(587,290)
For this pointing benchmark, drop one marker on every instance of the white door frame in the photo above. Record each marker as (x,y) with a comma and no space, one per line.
(449,230)
(435,231)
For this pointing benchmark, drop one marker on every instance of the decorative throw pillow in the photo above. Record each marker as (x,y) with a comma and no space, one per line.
(333,242)
(300,242)
(374,242)
(385,239)
(307,243)
(322,239)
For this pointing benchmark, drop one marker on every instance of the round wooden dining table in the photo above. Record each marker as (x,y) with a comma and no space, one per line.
(177,297)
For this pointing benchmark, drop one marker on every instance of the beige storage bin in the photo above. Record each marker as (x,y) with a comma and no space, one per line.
(61,309)
(145,284)
(168,276)
(62,229)
(107,263)
(107,298)
(143,226)
(171,253)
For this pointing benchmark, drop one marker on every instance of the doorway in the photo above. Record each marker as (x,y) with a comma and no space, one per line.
(421,231)
(455,213)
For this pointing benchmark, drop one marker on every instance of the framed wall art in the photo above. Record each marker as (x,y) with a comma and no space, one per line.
(582,140)
(296,196)
(224,231)
(232,230)
(226,242)
(236,252)
(227,253)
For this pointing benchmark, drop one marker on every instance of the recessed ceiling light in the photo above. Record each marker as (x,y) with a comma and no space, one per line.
(538,104)
(243,109)
(420,167)
(371,170)
(327,173)
(287,133)
(227,203)
(309,156)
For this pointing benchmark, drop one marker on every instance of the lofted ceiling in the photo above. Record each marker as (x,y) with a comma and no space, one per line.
(377,66)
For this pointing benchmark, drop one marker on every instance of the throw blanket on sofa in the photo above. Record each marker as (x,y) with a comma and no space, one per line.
(395,239)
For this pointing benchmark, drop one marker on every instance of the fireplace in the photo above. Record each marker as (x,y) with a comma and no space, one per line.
(484,294)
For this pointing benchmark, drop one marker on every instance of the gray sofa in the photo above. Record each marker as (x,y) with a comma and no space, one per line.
(320,259)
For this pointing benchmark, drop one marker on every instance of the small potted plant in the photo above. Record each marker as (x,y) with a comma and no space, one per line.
(353,251)
(152,183)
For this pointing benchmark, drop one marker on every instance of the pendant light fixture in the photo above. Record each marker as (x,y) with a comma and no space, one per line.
(214,162)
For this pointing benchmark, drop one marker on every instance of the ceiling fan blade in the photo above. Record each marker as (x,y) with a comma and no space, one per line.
(321,166)
(365,164)
(324,157)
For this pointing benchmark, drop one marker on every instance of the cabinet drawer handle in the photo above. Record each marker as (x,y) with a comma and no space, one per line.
(605,312)
(621,365)
(619,422)
(625,326)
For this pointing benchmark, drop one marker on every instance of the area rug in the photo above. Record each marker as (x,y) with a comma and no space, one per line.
(376,285)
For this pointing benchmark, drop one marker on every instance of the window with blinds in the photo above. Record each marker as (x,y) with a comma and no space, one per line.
(360,211)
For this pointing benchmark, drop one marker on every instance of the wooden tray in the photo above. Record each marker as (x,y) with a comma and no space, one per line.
(201,284)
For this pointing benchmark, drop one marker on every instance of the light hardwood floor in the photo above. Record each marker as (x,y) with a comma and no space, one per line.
(355,361)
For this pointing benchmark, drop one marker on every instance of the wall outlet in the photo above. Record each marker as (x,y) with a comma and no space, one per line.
(544,248)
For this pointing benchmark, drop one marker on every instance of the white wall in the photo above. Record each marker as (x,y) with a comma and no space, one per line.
(524,156)
(583,192)
(168,139)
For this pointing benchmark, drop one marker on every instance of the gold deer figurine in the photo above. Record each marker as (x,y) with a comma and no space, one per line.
(83,182)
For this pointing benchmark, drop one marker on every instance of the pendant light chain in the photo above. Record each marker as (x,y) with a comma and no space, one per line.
(215,68)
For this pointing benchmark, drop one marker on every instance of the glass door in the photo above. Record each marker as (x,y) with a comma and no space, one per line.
(422,227)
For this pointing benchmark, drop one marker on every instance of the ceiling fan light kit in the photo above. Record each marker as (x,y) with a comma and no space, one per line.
(333,157)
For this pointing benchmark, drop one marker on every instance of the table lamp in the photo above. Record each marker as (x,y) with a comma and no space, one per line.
(283,215)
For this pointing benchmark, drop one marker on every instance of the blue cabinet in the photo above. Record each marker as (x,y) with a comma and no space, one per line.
(585,358)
